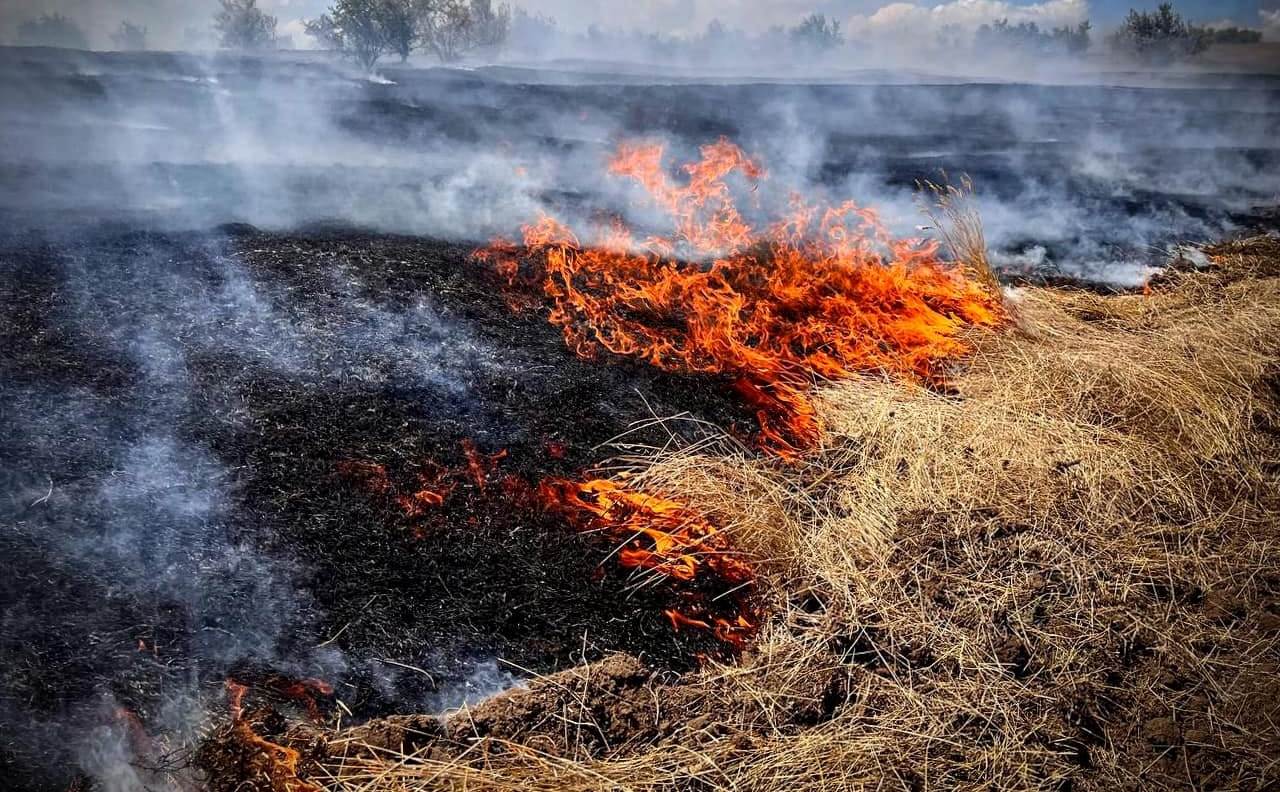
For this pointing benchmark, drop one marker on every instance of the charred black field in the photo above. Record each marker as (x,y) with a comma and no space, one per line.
(264,416)
(236,431)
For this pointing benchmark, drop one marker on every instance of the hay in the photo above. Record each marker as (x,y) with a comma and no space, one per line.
(1060,572)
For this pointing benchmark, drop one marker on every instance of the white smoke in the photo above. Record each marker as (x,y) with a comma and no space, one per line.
(1270,25)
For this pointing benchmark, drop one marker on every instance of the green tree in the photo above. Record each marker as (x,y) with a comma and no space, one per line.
(817,32)
(1161,35)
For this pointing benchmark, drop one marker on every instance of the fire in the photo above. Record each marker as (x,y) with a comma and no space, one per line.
(304,691)
(432,482)
(276,763)
(653,534)
(667,539)
(824,292)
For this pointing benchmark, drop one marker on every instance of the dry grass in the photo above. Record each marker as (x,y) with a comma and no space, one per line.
(1060,573)
(957,221)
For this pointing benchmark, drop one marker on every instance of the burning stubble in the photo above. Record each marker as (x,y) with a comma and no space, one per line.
(822,292)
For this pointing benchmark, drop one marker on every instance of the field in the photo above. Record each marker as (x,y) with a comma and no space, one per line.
(303,484)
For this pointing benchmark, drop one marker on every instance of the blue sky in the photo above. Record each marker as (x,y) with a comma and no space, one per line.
(1245,11)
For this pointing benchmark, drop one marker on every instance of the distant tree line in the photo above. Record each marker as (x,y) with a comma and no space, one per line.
(52,30)
(1030,37)
(368,30)
(1159,35)
(816,32)
(1162,34)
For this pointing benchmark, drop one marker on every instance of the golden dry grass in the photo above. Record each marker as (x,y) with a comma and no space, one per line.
(1061,572)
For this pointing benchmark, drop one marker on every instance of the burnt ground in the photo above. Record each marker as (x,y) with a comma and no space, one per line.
(177,411)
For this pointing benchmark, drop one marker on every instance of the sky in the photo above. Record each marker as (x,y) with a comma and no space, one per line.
(168,18)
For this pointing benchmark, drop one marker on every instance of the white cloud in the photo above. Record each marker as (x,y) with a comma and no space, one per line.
(914,18)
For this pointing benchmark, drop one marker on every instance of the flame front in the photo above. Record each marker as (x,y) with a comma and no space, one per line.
(822,293)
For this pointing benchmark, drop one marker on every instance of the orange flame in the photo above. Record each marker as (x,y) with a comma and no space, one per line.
(279,763)
(824,292)
(655,534)
(666,538)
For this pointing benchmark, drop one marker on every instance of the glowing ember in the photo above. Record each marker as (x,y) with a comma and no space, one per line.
(667,539)
(481,466)
(824,292)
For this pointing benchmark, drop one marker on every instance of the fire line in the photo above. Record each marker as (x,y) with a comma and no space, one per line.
(823,292)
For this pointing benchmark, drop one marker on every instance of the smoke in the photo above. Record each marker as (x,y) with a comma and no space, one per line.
(180,141)
(1270,25)
(138,567)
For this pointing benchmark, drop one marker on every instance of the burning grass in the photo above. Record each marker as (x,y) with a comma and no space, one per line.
(823,292)
(1060,571)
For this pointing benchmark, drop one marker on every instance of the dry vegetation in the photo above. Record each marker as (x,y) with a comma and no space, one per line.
(1059,574)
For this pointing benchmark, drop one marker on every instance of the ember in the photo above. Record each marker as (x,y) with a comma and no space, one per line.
(825,292)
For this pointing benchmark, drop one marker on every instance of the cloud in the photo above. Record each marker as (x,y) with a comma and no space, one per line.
(915,18)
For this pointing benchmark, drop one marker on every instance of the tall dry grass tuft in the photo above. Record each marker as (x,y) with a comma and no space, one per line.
(950,209)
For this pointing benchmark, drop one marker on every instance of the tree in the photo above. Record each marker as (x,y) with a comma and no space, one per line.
(445,28)
(817,32)
(1233,35)
(490,26)
(325,31)
(1160,35)
(365,30)
(398,20)
(52,30)
(242,25)
(129,37)
(1074,41)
